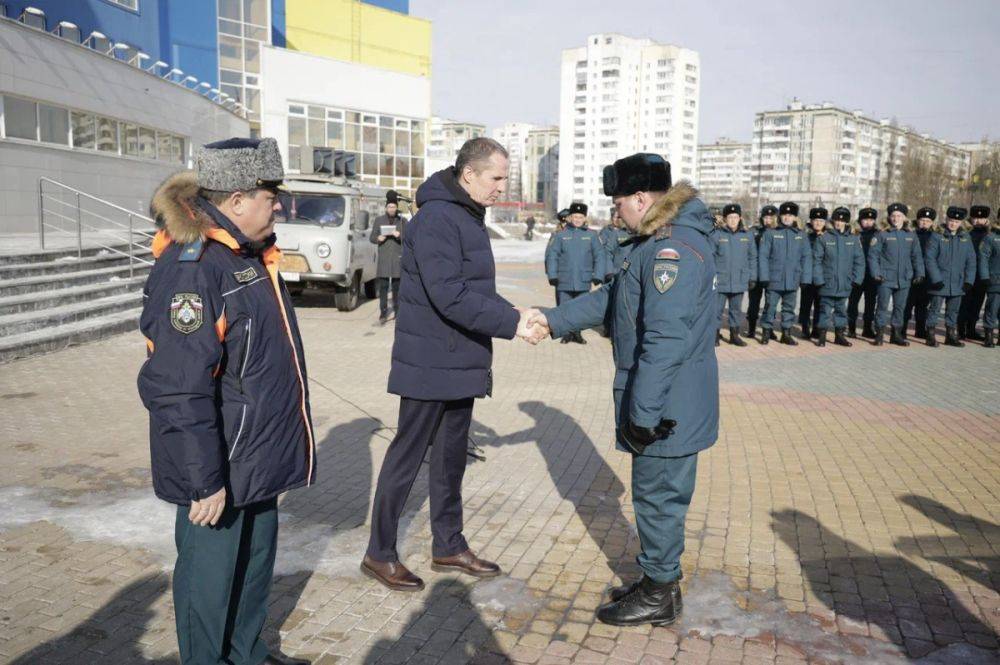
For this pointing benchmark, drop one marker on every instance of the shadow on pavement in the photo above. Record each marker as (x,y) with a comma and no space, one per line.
(908,605)
(447,627)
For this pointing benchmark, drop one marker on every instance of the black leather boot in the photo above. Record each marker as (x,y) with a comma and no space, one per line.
(786,338)
(619,592)
(920,331)
(718,338)
(649,602)
(951,338)
(903,331)
(751,328)
(579,338)
(973,334)
(877,334)
(868,331)
(989,342)
(566,339)
(734,337)
(961,330)
(931,338)
(895,337)
(838,337)
(820,336)
(852,330)
(765,335)
(805,331)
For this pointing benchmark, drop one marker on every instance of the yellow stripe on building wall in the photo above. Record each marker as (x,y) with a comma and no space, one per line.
(357,32)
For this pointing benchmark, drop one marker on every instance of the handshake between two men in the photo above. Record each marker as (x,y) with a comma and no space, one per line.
(532,327)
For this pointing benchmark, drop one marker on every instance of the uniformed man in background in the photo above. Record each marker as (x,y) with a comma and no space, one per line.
(972,302)
(838,265)
(950,261)
(390,249)
(574,261)
(767,219)
(612,236)
(919,298)
(896,263)
(666,388)
(989,272)
(809,302)
(784,262)
(869,288)
(736,265)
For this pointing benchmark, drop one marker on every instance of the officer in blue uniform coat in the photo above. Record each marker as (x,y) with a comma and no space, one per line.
(661,305)
(919,298)
(809,299)
(972,302)
(767,219)
(868,288)
(575,260)
(989,272)
(612,236)
(838,265)
(951,271)
(736,263)
(895,261)
(560,225)
(784,262)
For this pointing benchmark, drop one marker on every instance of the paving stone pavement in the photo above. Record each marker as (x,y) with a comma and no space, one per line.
(849,512)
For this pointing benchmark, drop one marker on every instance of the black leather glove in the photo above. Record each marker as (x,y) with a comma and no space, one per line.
(937,285)
(917,281)
(637,439)
(596,282)
(966,287)
(554,282)
(752,285)
(878,279)
(763,283)
(857,285)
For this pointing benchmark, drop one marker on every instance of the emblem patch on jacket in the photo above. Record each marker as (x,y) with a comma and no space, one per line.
(186,312)
(668,254)
(244,276)
(664,275)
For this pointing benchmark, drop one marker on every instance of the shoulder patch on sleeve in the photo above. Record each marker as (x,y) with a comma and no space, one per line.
(192,251)
(186,312)
(668,254)
(665,275)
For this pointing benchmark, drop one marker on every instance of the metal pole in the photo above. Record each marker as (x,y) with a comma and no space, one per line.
(131,272)
(41,215)
(79,228)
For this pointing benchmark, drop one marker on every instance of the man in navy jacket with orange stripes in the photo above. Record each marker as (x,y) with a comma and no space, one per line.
(225,386)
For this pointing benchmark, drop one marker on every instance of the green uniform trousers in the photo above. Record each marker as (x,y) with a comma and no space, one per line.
(661,493)
(222,579)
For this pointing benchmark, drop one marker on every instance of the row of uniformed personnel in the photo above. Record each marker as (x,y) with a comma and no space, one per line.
(833,267)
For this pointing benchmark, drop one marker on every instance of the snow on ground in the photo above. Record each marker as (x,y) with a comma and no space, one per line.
(519,251)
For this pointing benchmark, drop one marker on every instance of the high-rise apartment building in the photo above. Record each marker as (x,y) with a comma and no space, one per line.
(514,137)
(447,138)
(540,175)
(723,172)
(618,96)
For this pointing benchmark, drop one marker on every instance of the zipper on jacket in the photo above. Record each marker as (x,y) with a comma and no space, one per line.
(244,360)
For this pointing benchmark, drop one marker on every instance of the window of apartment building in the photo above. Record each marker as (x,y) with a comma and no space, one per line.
(691,68)
(581,63)
(610,73)
(580,146)
(690,79)
(661,86)
(611,61)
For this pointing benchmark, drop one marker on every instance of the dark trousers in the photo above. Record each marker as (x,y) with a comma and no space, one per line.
(735,301)
(916,306)
(222,579)
(972,305)
(898,297)
(566,296)
(753,304)
(445,427)
(787,299)
(662,488)
(952,305)
(833,310)
(868,289)
(809,307)
(383,294)
(992,311)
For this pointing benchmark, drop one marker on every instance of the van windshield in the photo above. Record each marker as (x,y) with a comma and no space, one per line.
(326,210)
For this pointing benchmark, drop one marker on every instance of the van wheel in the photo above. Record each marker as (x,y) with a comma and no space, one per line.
(371,289)
(347,299)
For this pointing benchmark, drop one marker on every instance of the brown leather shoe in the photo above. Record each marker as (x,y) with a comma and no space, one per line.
(465,562)
(391,574)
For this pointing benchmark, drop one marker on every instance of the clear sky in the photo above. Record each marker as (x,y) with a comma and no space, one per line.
(933,65)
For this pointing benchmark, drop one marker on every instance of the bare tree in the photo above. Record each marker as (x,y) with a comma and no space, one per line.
(983,187)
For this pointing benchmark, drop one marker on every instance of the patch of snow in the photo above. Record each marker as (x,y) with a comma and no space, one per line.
(519,251)
(67,259)
(504,594)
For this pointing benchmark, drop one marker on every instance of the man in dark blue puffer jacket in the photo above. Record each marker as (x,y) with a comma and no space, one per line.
(441,359)
(225,386)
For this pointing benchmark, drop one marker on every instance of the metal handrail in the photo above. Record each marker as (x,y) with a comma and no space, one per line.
(79,223)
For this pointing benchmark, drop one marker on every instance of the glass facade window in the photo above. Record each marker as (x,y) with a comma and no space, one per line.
(53,124)
(243,30)
(20,118)
(84,130)
(389,150)
(107,135)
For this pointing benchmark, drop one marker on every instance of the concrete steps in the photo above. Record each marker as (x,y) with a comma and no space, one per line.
(57,298)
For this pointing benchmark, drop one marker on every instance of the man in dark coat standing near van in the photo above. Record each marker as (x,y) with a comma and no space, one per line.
(225,385)
(390,249)
(441,359)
